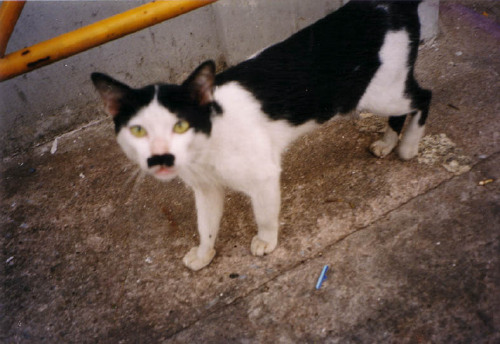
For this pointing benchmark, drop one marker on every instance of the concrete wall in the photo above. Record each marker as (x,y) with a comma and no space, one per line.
(44,103)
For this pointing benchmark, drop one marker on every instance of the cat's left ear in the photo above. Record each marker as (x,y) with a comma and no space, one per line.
(113,92)
(201,83)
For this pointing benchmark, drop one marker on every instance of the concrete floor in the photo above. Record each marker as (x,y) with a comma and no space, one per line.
(91,250)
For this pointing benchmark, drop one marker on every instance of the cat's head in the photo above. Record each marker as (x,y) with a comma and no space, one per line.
(161,127)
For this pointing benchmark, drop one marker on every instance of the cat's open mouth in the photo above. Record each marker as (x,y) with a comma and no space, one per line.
(164,172)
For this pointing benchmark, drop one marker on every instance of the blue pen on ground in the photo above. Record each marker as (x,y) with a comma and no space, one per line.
(322,277)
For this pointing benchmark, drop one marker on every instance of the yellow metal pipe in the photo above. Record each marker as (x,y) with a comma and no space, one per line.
(90,36)
(9,13)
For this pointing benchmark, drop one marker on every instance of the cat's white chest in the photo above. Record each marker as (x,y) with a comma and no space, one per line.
(244,146)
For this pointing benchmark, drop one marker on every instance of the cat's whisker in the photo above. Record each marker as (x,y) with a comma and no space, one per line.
(138,180)
(136,177)
(133,175)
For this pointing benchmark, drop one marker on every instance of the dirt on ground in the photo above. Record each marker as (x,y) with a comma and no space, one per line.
(92,249)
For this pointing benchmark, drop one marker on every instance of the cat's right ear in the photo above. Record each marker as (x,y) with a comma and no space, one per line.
(112,92)
(201,83)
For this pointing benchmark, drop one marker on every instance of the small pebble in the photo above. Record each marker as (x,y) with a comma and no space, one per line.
(486,181)
(53,149)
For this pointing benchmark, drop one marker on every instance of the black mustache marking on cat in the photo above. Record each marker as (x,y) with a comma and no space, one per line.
(162,160)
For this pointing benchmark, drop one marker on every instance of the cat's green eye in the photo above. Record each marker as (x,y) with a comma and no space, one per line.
(181,127)
(138,131)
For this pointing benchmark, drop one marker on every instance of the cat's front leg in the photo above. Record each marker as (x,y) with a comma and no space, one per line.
(209,204)
(266,206)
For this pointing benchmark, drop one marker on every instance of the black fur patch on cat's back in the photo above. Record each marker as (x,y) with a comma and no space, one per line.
(325,68)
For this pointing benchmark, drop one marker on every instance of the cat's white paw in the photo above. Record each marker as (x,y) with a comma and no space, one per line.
(407,151)
(260,247)
(381,148)
(194,262)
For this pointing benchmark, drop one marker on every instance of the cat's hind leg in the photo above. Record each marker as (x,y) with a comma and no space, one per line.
(381,148)
(408,147)
(209,205)
(266,205)
(417,111)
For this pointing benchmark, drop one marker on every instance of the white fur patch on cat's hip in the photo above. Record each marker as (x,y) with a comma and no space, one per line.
(385,93)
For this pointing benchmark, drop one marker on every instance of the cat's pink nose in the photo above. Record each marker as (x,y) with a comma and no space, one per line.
(159,147)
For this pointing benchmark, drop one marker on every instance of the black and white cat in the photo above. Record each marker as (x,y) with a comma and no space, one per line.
(230,129)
